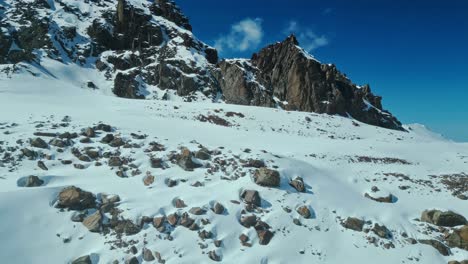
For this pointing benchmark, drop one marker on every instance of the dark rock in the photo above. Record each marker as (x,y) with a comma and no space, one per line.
(179,203)
(117,142)
(33,181)
(197,211)
(267,177)
(157,163)
(253,163)
(39,143)
(381,231)
(132,260)
(251,197)
(353,223)
(202,155)
(107,138)
(89,132)
(115,161)
(159,221)
(82,260)
(148,255)
(127,227)
(205,234)
(186,221)
(248,220)
(218,208)
(264,236)
(173,219)
(103,127)
(29,153)
(305,84)
(213,256)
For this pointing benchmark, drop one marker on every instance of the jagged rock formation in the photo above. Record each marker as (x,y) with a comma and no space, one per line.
(283,74)
(146,49)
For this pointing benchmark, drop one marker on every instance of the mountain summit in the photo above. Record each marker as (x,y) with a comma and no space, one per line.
(146,49)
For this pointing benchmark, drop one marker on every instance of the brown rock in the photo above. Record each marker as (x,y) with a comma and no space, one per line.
(93,222)
(159,221)
(298,184)
(304,211)
(75,198)
(218,208)
(264,236)
(267,177)
(440,218)
(353,223)
(251,197)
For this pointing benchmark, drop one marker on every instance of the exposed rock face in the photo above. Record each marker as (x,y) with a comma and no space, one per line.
(299,82)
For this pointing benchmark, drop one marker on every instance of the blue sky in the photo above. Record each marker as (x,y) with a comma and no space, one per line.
(413,53)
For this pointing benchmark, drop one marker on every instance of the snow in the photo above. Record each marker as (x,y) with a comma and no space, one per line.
(318,151)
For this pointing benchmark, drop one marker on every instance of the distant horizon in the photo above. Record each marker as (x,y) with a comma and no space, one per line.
(417,49)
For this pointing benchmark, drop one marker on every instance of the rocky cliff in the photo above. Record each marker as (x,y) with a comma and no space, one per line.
(146,49)
(284,75)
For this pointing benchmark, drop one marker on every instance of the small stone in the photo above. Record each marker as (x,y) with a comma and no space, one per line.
(304,211)
(205,234)
(218,208)
(148,180)
(243,238)
(79,166)
(385,199)
(298,184)
(84,158)
(267,177)
(213,256)
(179,203)
(115,161)
(42,165)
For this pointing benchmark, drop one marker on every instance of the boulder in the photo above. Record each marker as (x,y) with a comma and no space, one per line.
(148,255)
(179,203)
(39,143)
(384,199)
(218,208)
(82,260)
(440,218)
(213,256)
(74,198)
(267,177)
(202,154)
(33,181)
(381,231)
(248,220)
(159,221)
(89,132)
(197,211)
(304,211)
(251,197)
(264,236)
(298,184)
(127,227)
(353,223)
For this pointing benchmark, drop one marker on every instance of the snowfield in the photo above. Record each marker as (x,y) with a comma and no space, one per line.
(339,160)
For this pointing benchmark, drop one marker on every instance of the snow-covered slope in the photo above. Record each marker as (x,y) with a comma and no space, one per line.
(340,161)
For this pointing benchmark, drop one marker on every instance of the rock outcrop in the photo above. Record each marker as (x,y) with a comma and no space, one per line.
(285,75)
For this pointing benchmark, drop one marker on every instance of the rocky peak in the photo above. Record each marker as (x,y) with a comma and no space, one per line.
(294,80)
(169,10)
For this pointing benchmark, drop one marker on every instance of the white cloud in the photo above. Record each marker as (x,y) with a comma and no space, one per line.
(308,39)
(244,35)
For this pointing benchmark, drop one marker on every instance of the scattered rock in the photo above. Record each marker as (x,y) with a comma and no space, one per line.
(248,220)
(267,177)
(127,227)
(107,138)
(439,218)
(159,221)
(157,163)
(117,142)
(148,180)
(254,163)
(173,219)
(203,154)
(89,132)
